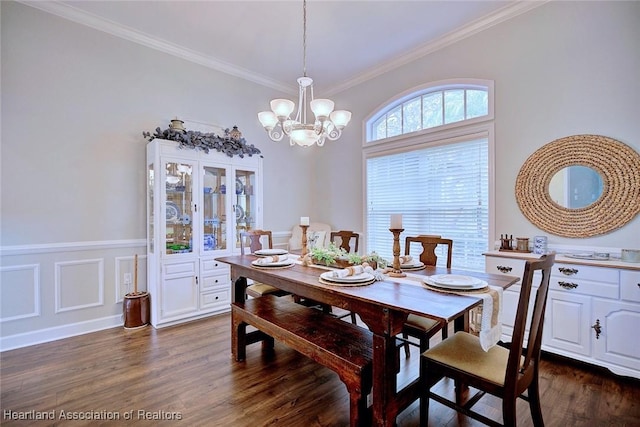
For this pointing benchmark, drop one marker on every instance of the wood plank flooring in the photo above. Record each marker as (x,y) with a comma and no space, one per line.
(184,375)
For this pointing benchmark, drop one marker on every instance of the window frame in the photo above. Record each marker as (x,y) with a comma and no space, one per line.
(470,129)
(421,90)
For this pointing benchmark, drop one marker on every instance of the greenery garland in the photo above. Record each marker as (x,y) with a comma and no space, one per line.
(206,141)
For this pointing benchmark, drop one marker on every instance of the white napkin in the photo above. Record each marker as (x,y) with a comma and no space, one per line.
(349,271)
(485,321)
(271,259)
(405,259)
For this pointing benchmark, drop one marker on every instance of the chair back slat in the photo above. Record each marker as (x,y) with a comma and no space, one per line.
(524,367)
(253,238)
(429,244)
(345,239)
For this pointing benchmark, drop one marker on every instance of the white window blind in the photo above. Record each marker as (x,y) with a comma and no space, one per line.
(441,190)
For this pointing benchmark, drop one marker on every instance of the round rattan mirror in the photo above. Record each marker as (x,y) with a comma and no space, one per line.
(617,164)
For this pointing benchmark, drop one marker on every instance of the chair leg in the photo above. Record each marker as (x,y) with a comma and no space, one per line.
(534,403)
(407,351)
(509,412)
(353,318)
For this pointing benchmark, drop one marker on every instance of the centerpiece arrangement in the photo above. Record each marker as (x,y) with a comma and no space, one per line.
(334,256)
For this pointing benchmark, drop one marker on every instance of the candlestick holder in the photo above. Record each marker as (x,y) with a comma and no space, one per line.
(395,269)
(305,250)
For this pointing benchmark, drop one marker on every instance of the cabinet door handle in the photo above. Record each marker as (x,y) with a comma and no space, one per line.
(568,285)
(568,271)
(504,269)
(597,328)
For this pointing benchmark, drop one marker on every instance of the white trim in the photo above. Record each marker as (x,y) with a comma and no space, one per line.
(90,20)
(420,90)
(58,332)
(509,11)
(71,247)
(58,284)
(36,290)
(81,17)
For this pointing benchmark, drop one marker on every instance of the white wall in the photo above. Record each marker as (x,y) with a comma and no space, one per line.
(75,102)
(562,69)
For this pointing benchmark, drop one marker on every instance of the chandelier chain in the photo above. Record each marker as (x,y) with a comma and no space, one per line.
(304,38)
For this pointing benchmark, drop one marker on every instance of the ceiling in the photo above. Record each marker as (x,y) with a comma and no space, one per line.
(347,41)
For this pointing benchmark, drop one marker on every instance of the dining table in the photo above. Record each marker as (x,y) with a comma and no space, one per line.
(383,306)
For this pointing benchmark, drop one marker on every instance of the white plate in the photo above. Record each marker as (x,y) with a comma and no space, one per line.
(274,264)
(412,265)
(454,280)
(356,278)
(480,285)
(173,212)
(270,252)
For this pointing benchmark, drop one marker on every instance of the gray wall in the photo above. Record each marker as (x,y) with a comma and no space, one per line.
(75,102)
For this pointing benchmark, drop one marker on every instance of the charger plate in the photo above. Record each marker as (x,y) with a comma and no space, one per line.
(270,252)
(273,267)
(478,286)
(344,284)
(412,267)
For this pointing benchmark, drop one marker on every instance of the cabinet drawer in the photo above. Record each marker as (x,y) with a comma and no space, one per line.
(180,269)
(211,266)
(575,271)
(216,281)
(571,285)
(216,298)
(507,266)
(630,285)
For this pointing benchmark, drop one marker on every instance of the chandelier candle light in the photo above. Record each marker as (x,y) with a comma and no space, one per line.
(328,123)
(395,227)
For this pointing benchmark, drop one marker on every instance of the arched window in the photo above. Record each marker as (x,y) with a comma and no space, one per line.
(428,155)
(430,107)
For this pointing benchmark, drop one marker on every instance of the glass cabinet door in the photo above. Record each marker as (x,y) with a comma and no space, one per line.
(214,214)
(179,205)
(150,203)
(245,204)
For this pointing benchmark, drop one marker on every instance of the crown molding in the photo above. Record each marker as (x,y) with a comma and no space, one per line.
(76,15)
(501,15)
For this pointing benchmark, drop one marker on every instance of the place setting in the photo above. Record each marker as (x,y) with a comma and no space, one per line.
(407,263)
(356,275)
(454,282)
(273,261)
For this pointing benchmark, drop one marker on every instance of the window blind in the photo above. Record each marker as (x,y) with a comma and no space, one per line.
(441,190)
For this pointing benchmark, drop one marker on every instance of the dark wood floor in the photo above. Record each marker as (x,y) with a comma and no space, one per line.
(184,375)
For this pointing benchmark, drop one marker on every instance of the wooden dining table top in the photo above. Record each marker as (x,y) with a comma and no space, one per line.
(391,293)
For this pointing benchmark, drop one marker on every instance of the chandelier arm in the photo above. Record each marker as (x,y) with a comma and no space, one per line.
(276,134)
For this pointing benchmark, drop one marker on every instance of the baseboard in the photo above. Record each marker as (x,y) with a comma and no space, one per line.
(56,333)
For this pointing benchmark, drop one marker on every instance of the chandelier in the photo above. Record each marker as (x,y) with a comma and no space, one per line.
(328,123)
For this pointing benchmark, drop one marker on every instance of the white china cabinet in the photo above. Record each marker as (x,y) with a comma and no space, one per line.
(197,205)
(593,309)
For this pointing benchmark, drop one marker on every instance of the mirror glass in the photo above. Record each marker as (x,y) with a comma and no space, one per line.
(575,187)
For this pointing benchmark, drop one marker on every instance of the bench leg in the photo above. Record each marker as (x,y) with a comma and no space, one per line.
(238,338)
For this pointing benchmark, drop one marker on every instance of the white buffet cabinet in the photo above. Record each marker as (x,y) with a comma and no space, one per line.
(593,309)
(197,204)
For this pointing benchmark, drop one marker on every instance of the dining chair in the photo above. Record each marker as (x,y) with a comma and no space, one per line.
(345,239)
(419,327)
(253,240)
(318,232)
(502,372)
(345,243)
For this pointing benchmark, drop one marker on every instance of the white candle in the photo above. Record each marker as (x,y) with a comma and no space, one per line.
(304,220)
(396,221)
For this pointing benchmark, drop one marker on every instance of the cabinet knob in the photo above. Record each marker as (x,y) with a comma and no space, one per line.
(568,285)
(504,269)
(567,271)
(597,328)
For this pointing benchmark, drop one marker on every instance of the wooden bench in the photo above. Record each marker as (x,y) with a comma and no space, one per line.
(340,346)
